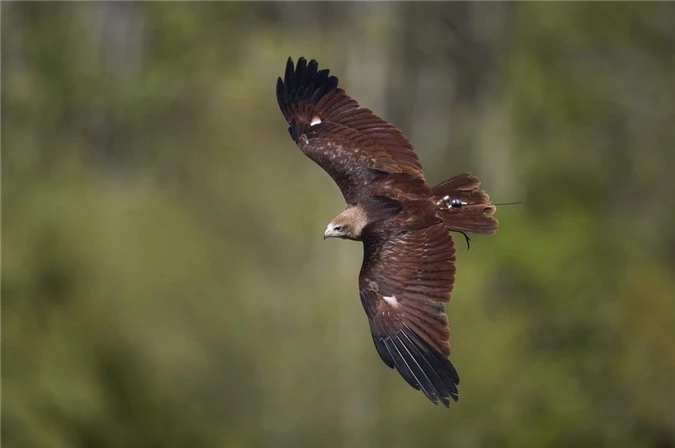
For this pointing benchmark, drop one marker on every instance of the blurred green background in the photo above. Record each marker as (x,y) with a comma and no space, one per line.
(164,278)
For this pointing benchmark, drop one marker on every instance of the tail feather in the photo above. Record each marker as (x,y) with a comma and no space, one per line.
(464,207)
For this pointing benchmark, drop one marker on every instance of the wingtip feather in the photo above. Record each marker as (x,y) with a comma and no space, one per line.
(420,366)
(303,82)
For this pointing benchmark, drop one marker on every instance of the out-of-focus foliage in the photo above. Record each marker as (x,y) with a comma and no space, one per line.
(164,279)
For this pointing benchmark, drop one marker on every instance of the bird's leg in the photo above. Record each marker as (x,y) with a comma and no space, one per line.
(468,240)
(455,203)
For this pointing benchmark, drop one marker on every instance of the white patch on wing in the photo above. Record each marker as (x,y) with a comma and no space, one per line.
(315,120)
(391,301)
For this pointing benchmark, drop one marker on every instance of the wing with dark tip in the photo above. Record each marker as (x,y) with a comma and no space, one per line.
(406,277)
(349,142)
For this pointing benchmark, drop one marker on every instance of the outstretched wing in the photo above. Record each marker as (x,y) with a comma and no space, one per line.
(350,142)
(406,277)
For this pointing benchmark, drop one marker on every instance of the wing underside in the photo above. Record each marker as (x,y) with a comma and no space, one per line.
(405,280)
(350,142)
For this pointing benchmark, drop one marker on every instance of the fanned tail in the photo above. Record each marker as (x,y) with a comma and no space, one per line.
(464,207)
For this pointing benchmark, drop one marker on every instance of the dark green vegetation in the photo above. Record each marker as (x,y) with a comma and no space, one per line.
(164,278)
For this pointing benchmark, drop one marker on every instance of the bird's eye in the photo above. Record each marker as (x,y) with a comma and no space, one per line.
(337,228)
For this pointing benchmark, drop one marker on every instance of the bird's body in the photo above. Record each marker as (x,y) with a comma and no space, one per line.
(408,266)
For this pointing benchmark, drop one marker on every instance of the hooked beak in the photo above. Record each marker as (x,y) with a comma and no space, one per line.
(330,232)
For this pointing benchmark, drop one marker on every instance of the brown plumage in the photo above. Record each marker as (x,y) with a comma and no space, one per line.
(408,268)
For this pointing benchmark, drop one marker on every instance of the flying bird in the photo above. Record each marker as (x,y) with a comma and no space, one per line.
(408,268)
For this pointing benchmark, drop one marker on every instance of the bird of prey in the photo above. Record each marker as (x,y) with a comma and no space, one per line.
(408,266)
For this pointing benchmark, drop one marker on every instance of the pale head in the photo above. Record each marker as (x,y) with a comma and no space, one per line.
(348,224)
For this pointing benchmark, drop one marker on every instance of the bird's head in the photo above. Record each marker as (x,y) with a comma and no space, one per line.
(347,225)
(339,230)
